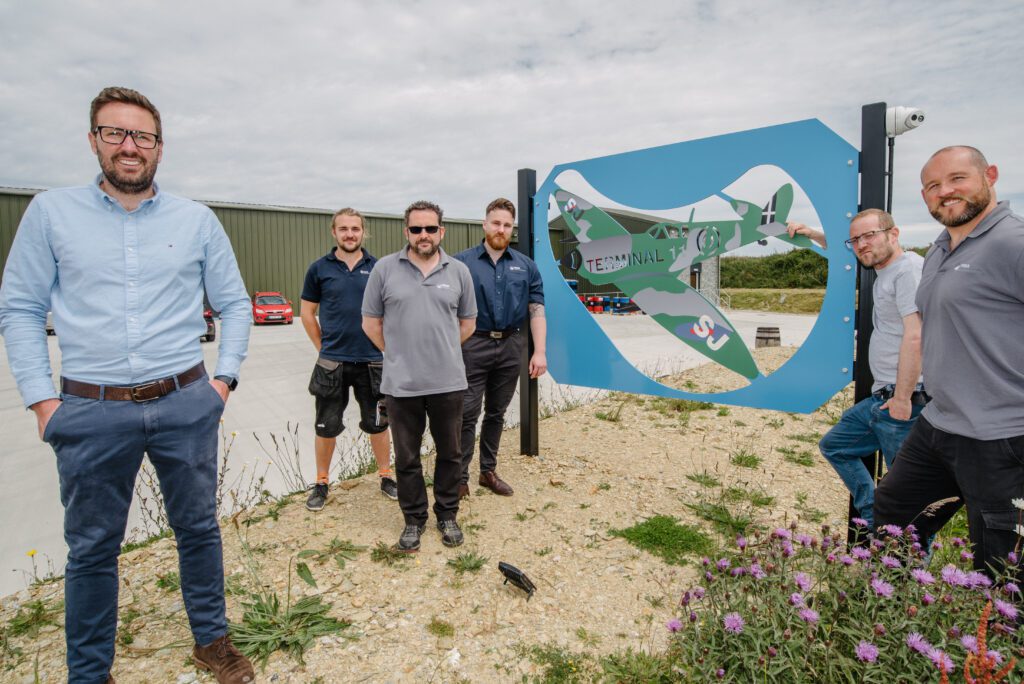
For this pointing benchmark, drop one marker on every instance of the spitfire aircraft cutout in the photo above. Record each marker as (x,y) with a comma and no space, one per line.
(652,267)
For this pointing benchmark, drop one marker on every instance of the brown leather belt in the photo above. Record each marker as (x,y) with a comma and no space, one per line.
(496,334)
(147,391)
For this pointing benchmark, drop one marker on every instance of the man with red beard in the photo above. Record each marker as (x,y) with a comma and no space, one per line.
(124,266)
(509,292)
(967,447)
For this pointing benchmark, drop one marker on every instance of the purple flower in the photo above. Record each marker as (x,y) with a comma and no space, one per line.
(996,655)
(882,588)
(922,576)
(804,540)
(756,572)
(781,533)
(867,652)
(954,576)
(1007,610)
(802,581)
(890,562)
(674,625)
(957,542)
(698,593)
(741,542)
(859,522)
(879,629)
(809,616)
(846,560)
(709,577)
(738,571)
(966,555)
(685,600)
(1011,588)
(977,579)
(860,553)
(693,616)
(722,564)
(936,545)
(970,642)
(1012,557)
(733,622)
(927,599)
(720,673)
(941,660)
(918,643)
(894,530)
(796,600)
(787,548)
(705,561)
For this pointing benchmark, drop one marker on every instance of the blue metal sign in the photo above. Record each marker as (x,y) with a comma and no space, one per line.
(653,267)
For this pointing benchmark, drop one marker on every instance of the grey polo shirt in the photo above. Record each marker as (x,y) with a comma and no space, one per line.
(422,349)
(972,306)
(894,293)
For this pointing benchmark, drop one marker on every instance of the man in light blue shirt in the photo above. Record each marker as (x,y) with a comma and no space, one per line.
(123,266)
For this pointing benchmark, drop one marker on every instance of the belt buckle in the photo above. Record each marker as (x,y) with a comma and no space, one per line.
(136,391)
(496,334)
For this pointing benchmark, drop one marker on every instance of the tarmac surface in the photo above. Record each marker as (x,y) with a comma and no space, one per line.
(272,394)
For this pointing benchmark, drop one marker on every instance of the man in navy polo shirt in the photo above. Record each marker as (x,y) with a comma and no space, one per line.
(334,286)
(508,289)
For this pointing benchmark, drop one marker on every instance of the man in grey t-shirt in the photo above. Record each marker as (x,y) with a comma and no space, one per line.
(418,309)
(968,446)
(881,421)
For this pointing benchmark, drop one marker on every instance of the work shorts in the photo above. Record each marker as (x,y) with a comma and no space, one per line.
(330,385)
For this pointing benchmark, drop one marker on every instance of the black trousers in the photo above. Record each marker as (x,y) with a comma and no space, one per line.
(933,466)
(492,371)
(408,417)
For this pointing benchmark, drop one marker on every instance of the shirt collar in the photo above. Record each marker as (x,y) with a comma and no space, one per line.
(331,256)
(998,213)
(403,254)
(102,196)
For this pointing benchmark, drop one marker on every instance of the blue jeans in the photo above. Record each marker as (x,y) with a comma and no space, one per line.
(99,447)
(864,429)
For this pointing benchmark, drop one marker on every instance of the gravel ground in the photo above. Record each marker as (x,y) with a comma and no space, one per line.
(595,592)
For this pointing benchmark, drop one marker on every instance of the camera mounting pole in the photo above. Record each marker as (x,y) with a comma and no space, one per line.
(529,415)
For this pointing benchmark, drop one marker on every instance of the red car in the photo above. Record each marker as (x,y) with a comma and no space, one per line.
(271,307)
(211,329)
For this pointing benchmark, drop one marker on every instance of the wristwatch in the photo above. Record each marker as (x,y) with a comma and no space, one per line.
(231,382)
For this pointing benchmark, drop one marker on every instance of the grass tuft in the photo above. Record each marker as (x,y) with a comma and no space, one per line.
(665,537)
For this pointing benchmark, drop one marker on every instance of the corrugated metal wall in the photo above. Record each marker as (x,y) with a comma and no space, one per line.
(274,246)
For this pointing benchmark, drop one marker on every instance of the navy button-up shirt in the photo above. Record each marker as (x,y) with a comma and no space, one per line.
(339,292)
(503,290)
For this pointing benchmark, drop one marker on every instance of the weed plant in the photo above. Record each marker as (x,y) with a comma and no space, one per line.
(666,538)
(745,459)
(468,561)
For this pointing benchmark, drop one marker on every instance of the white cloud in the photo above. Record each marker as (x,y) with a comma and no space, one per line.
(376,104)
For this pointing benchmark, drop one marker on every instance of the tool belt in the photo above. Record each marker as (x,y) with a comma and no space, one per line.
(147,391)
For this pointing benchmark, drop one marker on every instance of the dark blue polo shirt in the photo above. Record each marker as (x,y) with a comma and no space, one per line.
(339,292)
(503,290)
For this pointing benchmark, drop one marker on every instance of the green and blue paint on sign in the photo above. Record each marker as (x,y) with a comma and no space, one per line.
(653,267)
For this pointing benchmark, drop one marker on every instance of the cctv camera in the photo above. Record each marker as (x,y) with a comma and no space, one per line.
(899,120)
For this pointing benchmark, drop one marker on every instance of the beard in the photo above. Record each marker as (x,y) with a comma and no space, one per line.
(975,205)
(425,248)
(497,241)
(876,256)
(128,184)
(345,247)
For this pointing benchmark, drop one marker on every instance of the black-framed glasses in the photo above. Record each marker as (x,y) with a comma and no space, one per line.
(112,135)
(416,230)
(870,235)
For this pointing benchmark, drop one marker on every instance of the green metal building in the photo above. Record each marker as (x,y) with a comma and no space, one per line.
(274,245)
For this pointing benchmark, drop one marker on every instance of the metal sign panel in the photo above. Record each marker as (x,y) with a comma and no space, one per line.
(652,268)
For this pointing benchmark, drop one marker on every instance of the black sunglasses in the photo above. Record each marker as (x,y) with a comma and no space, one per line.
(416,230)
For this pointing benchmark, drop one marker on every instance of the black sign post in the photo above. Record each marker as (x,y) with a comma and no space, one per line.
(529,415)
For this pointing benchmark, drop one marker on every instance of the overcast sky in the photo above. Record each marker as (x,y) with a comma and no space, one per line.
(325,104)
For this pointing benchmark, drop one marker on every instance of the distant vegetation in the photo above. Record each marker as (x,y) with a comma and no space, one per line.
(798,268)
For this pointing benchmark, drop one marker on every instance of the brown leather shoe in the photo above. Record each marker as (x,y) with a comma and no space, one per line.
(110,679)
(463,491)
(495,483)
(225,661)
